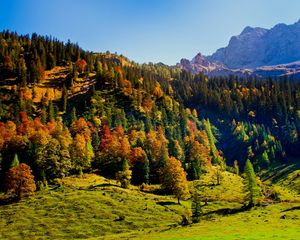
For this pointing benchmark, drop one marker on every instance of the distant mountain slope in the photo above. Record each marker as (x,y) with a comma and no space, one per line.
(253,50)
(243,51)
(256,47)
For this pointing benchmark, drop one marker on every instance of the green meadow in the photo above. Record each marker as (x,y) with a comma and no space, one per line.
(92,207)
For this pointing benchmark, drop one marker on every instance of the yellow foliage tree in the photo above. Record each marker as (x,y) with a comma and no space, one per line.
(173,179)
(157,91)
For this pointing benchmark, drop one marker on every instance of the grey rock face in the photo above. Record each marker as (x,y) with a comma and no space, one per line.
(256,47)
(251,50)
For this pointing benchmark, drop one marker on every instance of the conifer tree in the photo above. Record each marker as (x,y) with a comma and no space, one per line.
(214,150)
(51,113)
(65,98)
(73,115)
(15,162)
(43,115)
(236,167)
(265,158)
(164,156)
(196,208)
(252,188)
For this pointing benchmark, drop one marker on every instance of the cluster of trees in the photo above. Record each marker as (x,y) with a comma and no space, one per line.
(272,103)
(252,141)
(53,150)
(137,121)
(28,57)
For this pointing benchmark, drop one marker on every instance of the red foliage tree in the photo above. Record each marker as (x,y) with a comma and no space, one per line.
(137,155)
(81,65)
(106,140)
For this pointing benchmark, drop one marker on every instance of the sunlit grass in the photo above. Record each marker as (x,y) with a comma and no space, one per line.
(92,207)
(82,212)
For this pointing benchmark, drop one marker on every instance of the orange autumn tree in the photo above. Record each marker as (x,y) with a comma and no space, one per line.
(81,65)
(20,181)
(199,160)
(81,126)
(173,179)
(157,91)
(155,142)
(82,152)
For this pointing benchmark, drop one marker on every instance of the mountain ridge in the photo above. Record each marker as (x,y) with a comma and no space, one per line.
(250,51)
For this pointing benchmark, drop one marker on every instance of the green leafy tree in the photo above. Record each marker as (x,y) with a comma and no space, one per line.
(54,160)
(81,153)
(124,176)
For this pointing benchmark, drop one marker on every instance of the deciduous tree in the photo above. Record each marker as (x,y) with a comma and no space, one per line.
(20,181)
(173,179)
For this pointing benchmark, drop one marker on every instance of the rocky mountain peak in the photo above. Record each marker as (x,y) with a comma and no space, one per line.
(253,48)
(246,30)
(200,59)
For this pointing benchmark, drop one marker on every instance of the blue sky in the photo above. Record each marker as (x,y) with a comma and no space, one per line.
(146,30)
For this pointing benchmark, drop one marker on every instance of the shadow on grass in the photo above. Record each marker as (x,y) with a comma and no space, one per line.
(291,209)
(166,203)
(8,200)
(104,185)
(228,211)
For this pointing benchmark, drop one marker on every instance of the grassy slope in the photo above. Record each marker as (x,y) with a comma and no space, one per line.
(52,86)
(94,207)
(79,212)
(261,223)
(285,176)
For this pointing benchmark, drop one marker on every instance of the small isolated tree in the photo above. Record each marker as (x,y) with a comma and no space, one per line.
(173,179)
(218,175)
(20,181)
(252,188)
(236,167)
(124,176)
(15,162)
(196,208)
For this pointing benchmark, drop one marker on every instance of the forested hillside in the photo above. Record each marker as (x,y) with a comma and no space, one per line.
(66,111)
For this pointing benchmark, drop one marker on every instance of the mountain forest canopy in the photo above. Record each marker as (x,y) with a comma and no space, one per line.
(103,109)
(65,111)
